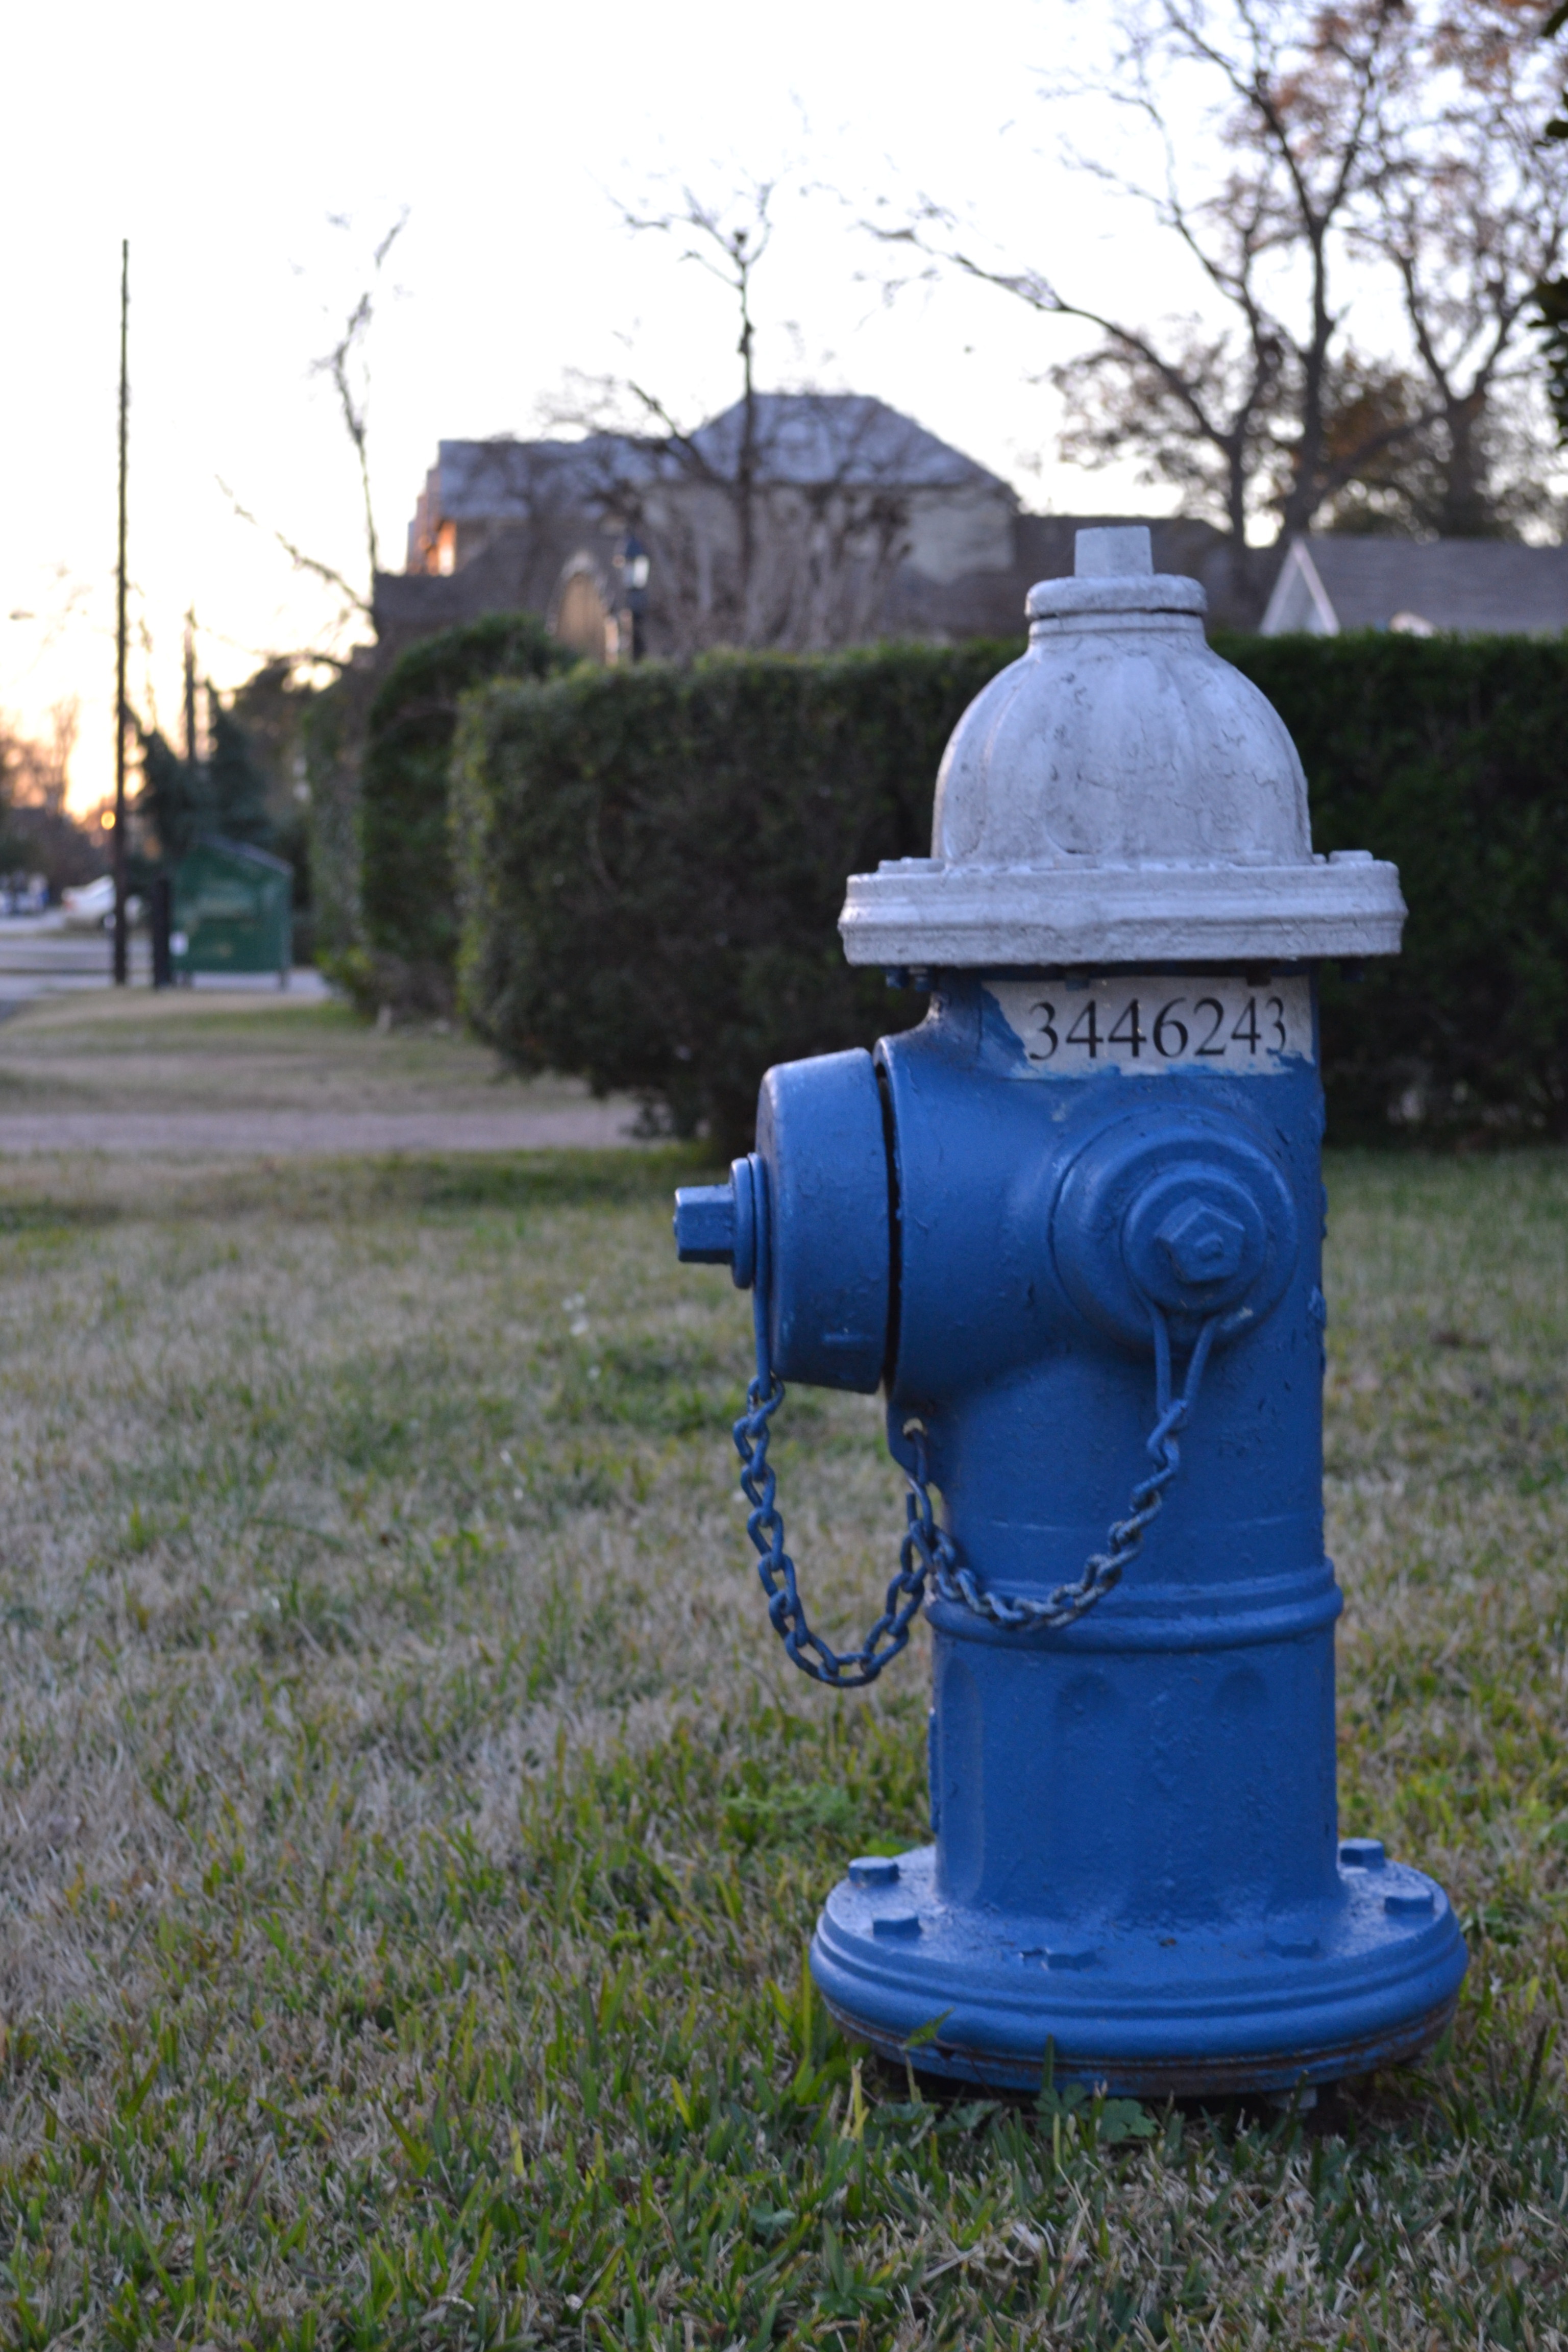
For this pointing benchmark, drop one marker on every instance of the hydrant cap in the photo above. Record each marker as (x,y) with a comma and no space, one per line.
(1117,795)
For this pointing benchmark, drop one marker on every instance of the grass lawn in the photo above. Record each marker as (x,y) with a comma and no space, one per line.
(219,1050)
(410,1830)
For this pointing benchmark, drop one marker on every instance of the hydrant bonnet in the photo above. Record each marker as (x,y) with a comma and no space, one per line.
(1119,795)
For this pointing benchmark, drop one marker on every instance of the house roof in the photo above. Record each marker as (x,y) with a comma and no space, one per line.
(507,481)
(845,438)
(1472,586)
(809,438)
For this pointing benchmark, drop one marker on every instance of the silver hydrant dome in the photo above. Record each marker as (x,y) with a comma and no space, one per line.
(1117,795)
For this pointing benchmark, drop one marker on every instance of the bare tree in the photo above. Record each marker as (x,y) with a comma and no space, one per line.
(330,730)
(355,601)
(1234,401)
(1468,208)
(729,243)
(38,833)
(1550,315)
(65,721)
(36,774)
(763,531)
(347,367)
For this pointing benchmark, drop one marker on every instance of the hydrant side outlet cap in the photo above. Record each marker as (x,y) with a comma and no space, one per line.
(822,1146)
(1117,795)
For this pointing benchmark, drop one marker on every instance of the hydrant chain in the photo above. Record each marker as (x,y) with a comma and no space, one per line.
(927,1552)
(1103,1571)
(786,1610)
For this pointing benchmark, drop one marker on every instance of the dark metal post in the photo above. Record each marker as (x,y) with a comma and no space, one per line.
(120,940)
(633,565)
(161,914)
(191,687)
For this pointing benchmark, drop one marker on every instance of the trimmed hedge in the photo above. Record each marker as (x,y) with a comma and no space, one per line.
(1448,755)
(407,903)
(651,864)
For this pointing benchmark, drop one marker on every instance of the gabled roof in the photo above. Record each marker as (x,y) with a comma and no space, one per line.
(813,439)
(1474,587)
(810,438)
(507,481)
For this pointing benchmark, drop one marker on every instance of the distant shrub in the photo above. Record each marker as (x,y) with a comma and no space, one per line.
(651,862)
(1449,756)
(406,905)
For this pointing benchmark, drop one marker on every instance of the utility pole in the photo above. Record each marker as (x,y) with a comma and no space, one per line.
(121,942)
(191,687)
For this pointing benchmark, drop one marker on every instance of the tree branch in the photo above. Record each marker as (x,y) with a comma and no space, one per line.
(297,556)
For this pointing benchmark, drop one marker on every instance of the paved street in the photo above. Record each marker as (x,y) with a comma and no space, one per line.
(39,957)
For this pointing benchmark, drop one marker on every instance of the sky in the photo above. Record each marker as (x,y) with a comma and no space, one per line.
(255,158)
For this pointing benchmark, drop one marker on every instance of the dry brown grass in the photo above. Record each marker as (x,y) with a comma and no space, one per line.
(201,1051)
(410,1830)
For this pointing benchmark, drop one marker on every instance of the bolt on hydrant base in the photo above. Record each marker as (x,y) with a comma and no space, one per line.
(1072,1225)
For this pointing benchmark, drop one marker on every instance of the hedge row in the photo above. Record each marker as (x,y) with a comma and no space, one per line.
(1449,756)
(651,863)
(407,900)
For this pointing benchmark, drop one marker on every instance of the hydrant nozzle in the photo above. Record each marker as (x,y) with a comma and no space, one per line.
(715,1224)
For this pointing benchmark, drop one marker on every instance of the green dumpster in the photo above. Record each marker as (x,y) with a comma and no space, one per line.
(233,910)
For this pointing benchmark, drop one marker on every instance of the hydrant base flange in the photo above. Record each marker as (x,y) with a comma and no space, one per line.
(1368,1980)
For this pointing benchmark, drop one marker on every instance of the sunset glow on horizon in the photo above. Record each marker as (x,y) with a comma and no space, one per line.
(255,179)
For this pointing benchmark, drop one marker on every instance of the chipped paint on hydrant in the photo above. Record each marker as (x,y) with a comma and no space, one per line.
(1072,1225)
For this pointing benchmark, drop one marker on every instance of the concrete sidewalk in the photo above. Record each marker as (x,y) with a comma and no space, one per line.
(39,957)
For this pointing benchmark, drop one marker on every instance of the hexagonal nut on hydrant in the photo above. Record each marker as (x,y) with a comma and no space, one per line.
(1201,1243)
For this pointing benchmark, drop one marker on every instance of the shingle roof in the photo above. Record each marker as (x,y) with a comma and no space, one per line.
(806,437)
(813,439)
(505,481)
(1474,586)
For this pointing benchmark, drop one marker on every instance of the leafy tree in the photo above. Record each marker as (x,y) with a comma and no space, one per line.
(181,800)
(172,802)
(237,788)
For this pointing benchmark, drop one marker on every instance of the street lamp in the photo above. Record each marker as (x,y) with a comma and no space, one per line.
(634,564)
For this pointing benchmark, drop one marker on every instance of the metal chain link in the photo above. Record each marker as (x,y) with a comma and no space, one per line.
(1103,1569)
(851,1669)
(927,1552)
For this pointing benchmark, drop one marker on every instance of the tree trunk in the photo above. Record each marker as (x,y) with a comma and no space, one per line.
(1466,510)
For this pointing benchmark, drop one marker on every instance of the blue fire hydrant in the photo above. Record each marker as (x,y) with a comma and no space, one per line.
(1071,1224)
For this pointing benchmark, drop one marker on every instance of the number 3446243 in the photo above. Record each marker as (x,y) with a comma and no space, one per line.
(1136,1023)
